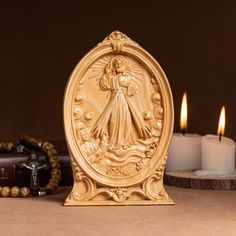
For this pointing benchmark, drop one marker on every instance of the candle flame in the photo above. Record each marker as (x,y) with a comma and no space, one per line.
(184,114)
(221,126)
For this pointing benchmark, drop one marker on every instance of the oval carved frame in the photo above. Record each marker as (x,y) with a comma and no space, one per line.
(118,43)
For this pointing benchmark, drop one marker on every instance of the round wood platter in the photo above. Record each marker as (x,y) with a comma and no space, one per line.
(187,179)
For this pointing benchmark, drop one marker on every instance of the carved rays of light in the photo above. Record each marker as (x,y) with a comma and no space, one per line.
(99,66)
(132,69)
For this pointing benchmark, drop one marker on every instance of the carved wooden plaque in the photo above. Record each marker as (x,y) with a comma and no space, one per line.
(118,117)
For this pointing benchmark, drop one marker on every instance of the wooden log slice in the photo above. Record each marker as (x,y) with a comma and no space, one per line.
(187,179)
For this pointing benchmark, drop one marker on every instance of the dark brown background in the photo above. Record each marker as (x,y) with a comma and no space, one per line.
(41,42)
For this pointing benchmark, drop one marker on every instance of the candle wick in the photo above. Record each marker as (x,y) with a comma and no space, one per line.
(183,131)
(220,136)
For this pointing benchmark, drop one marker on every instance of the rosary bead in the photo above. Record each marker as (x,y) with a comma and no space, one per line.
(55,171)
(57,178)
(53,158)
(55,164)
(47,146)
(25,192)
(6,147)
(5,191)
(52,186)
(54,152)
(49,153)
(15,192)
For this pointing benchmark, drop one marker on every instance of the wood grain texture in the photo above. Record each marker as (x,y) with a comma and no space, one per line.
(187,179)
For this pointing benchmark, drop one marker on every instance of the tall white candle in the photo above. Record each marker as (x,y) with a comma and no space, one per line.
(185,149)
(218,156)
(184,152)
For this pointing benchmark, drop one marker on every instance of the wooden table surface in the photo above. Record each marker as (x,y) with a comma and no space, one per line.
(197,212)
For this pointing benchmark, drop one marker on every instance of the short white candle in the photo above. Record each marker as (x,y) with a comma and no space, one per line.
(218,156)
(217,152)
(184,152)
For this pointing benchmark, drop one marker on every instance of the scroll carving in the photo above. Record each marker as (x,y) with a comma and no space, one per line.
(120,195)
(117,40)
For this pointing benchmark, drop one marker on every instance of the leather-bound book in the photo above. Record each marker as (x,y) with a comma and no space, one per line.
(12,175)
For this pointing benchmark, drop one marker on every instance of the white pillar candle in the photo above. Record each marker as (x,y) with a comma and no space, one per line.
(217,156)
(184,152)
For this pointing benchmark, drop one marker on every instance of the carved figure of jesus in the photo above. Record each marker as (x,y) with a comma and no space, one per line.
(120,120)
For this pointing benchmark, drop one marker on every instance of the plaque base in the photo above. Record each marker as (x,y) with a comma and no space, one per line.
(88,192)
(112,203)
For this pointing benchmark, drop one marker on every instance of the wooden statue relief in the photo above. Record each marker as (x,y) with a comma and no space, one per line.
(118,118)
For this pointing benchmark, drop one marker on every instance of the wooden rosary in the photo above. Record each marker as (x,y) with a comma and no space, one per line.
(26,143)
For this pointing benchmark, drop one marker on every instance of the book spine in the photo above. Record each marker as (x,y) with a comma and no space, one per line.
(12,175)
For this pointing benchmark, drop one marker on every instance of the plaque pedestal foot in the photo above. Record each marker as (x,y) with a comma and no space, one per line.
(88,192)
